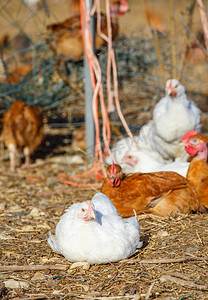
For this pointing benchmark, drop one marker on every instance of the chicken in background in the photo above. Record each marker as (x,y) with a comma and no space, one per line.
(17,57)
(97,233)
(22,129)
(195,53)
(173,116)
(196,144)
(68,35)
(78,138)
(158,193)
(35,5)
(140,161)
(160,138)
(155,20)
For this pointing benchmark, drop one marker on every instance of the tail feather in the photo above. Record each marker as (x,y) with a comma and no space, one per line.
(52,243)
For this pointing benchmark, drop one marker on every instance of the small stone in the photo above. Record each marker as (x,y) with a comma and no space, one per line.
(43,226)
(162,233)
(38,276)
(27,228)
(192,249)
(36,212)
(15,284)
(15,208)
(164,244)
(2,206)
(84,265)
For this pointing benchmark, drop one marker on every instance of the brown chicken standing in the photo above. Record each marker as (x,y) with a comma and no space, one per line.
(158,193)
(68,35)
(22,129)
(196,144)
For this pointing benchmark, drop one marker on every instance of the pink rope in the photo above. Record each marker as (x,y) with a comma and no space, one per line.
(96,77)
(204,22)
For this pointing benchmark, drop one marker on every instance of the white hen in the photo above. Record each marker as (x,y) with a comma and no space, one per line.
(140,161)
(95,233)
(173,116)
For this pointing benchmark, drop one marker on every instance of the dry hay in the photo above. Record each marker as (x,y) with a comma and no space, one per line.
(171,265)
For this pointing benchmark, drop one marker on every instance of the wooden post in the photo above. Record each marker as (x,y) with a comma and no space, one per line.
(89,120)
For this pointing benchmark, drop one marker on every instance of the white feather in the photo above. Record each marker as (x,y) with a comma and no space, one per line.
(160,137)
(108,238)
(143,162)
(172,118)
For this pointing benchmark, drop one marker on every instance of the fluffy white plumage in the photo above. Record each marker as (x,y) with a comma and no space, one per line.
(173,116)
(140,161)
(101,238)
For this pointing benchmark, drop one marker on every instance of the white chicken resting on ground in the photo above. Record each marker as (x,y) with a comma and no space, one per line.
(94,232)
(140,161)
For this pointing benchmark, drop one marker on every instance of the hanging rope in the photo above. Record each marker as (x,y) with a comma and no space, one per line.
(204,21)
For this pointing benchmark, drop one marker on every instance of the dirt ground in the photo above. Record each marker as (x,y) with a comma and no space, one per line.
(172,264)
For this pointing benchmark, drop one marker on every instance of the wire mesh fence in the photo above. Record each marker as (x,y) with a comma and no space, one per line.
(32,71)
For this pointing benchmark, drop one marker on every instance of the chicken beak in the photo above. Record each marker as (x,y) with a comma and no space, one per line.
(183,144)
(127,161)
(90,212)
(169,91)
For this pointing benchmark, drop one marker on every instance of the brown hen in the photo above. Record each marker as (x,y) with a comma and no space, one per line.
(196,144)
(22,129)
(158,193)
(68,35)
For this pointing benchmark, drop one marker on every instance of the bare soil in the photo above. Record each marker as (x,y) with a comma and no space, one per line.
(173,263)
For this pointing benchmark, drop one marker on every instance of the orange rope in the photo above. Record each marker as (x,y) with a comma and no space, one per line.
(96,78)
(96,185)
(204,21)
(98,90)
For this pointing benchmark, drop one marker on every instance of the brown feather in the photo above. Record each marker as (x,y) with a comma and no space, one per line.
(200,137)
(68,36)
(198,176)
(159,193)
(22,127)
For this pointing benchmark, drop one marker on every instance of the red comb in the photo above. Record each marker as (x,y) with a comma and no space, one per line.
(170,85)
(188,134)
(113,169)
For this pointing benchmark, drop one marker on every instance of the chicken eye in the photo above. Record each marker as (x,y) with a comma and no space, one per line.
(194,140)
(83,209)
(130,156)
(176,86)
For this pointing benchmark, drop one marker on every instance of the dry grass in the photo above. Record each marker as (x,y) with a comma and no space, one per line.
(169,266)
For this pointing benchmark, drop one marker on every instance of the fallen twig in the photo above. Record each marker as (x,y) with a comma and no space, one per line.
(182,282)
(32,297)
(149,291)
(165,260)
(14,268)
